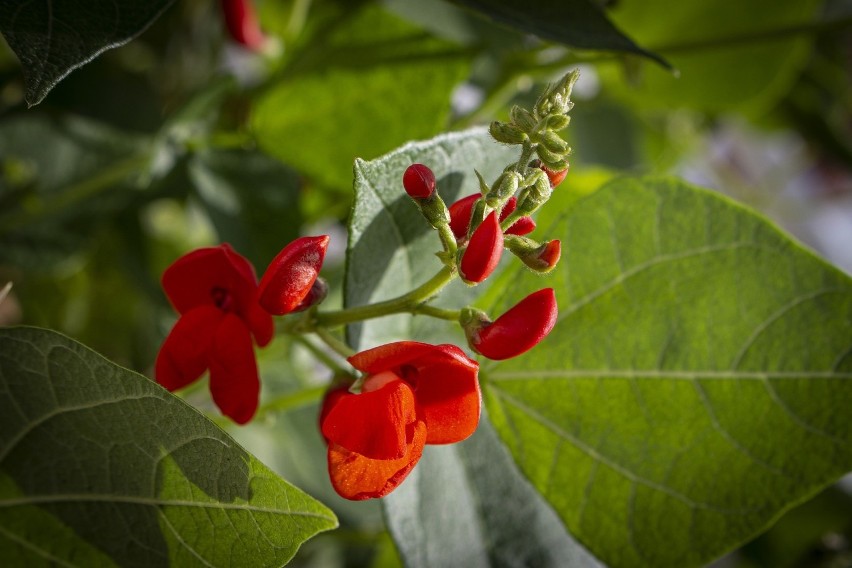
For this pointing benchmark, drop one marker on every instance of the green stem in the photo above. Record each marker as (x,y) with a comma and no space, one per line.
(320,355)
(336,345)
(526,156)
(76,193)
(436,312)
(448,239)
(510,220)
(405,303)
(290,401)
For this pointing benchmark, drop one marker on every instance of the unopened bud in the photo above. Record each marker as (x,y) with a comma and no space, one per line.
(522,118)
(419,181)
(504,187)
(557,122)
(555,177)
(483,252)
(506,133)
(541,258)
(554,143)
(289,280)
(515,332)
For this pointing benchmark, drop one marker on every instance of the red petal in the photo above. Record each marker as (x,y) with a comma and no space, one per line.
(291,274)
(373,424)
(519,329)
(523,226)
(260,323)
(356,477)
(184,355)
(460,215)
(483,252)
(191,279)
(242,23)
(418,181)
(234,383)
(445,384)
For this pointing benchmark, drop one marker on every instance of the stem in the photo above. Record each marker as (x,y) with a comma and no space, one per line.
(510,220)
(448,239)
(526,155)
(75,193)
(405,303)
(436,312)
(320,355)
(291,401)
(336,345)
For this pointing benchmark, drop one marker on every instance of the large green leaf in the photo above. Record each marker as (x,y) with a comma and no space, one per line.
(53,38)
(376,83)
(696,385)
(452,508)
(577,23)
(100,466)
(723,61)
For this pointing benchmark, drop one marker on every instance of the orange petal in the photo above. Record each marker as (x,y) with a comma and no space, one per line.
(234,383)
(184,355)
(373,424)
(356,477)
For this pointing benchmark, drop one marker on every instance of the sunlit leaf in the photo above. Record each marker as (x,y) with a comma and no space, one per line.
(101,466)
(696,385)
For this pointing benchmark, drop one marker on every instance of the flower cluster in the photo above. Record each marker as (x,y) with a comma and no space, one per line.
(408,394)
(412,394)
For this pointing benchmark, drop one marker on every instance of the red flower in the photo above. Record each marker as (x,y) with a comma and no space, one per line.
(419,181)
(241,21)
(460,217)
(414,394)
(215,291)
(483,251)
(554,176)
(290,282)
(518,330)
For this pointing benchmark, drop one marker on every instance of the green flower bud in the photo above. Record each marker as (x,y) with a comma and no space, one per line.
(506,133)
(553,142)
(548,157)
(504,187)
(556,122)
(523,119)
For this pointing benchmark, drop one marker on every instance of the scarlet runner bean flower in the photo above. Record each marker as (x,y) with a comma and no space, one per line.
(290,282)
(215,291)
(460,217)
(516,331)
(419,181)
(242,23)
(483,252)
(413,394)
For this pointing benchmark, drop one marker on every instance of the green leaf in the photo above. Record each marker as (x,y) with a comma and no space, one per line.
(723,62)
(100,466)
(251,199)
(452,507)
(576,23)
(53,38)
(392,248)
(379,83)
(696,385)
(467,505)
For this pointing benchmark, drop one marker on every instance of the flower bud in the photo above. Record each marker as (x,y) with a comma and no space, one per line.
(541,258)
(554,143)
(504,187)
(522,118)
(506,133)
(288,283)
(557,122)
(243,26)
(516,331)
(555,177)
(419,181)
(461,210)
(482,254)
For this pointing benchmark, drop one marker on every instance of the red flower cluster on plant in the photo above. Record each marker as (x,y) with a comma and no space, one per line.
(461,210)
(413,394)
(215,291)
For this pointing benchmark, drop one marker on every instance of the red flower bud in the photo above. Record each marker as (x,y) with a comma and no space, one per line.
(288,283)
(419,181)
(460,217)
(541,258)
(555,177)
(241,21)
(549,256)
(518,330)
(482,254)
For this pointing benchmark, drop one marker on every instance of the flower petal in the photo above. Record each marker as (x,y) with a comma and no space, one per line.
(373,424)
(445,383)
(356,477)
(291,274)
(184,355)
(519,329)
(234,383)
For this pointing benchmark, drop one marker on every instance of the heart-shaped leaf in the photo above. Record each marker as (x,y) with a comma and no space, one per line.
(696,385)
(101,466)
